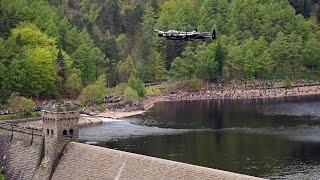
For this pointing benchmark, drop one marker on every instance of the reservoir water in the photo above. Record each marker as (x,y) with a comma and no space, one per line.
(276,140)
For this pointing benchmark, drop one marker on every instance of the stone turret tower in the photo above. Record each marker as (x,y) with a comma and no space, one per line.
(60,126)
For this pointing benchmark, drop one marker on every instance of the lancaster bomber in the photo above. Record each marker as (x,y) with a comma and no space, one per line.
(186,36)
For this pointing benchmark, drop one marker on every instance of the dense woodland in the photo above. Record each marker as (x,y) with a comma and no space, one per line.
(53,48)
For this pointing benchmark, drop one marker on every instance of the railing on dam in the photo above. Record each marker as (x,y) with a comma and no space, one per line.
(22,129)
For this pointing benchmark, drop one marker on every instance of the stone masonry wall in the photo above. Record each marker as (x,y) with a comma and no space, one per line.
(19,154)
(21,159)
(4,142)
(80,161)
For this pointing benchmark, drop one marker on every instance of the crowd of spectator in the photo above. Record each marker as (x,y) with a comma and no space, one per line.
(18,127)
(14,111)
(247,91)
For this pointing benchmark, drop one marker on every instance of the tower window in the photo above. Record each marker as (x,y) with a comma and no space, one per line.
(64,132)
(52,132)
(48,131)
(71,132)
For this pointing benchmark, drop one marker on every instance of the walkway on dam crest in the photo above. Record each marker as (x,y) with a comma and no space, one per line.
(21,129)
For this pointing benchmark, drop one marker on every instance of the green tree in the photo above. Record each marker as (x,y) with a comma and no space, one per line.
(137,85)
(130,96)
(13,12)
(286,52)
(62,70)
(311,54)
(90,10)
(17,103)
(126,69)
(206,67)
(94,93)
(110,18)
(184,67)
(214,15)
(145,47)
(250,59)
(220,57)
(157,67)
(4,83)
(123,46)
(74,82)
(34,74)
(100,61)
(83,62)
(72,40)
(30,35)
(179,14)
(132,17)
(200,62)
(41,73)
(110,48)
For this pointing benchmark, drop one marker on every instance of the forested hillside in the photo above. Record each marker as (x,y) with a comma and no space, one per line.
(50,48)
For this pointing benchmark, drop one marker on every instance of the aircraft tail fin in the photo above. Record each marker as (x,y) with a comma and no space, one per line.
(214,34)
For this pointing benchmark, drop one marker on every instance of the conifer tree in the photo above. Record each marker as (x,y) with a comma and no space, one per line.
(61,69)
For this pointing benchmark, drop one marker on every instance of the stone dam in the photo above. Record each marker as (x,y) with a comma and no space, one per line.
(53,153)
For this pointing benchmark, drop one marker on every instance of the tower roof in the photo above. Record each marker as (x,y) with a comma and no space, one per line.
(61,106)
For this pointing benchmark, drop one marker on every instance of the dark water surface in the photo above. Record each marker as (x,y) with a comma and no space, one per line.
(279,140)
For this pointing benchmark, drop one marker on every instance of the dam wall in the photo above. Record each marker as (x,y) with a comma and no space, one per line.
(50,153)
(22,154)
(19,153)
(81,161)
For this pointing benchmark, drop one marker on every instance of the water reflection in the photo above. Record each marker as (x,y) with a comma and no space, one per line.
(276,140)
(120,129)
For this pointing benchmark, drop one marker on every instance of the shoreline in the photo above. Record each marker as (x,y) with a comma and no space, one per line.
(250,95)
(89,121)
(119,114)
(223,94)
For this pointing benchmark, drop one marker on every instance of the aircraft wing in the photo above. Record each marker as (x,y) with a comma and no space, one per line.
(158,31)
